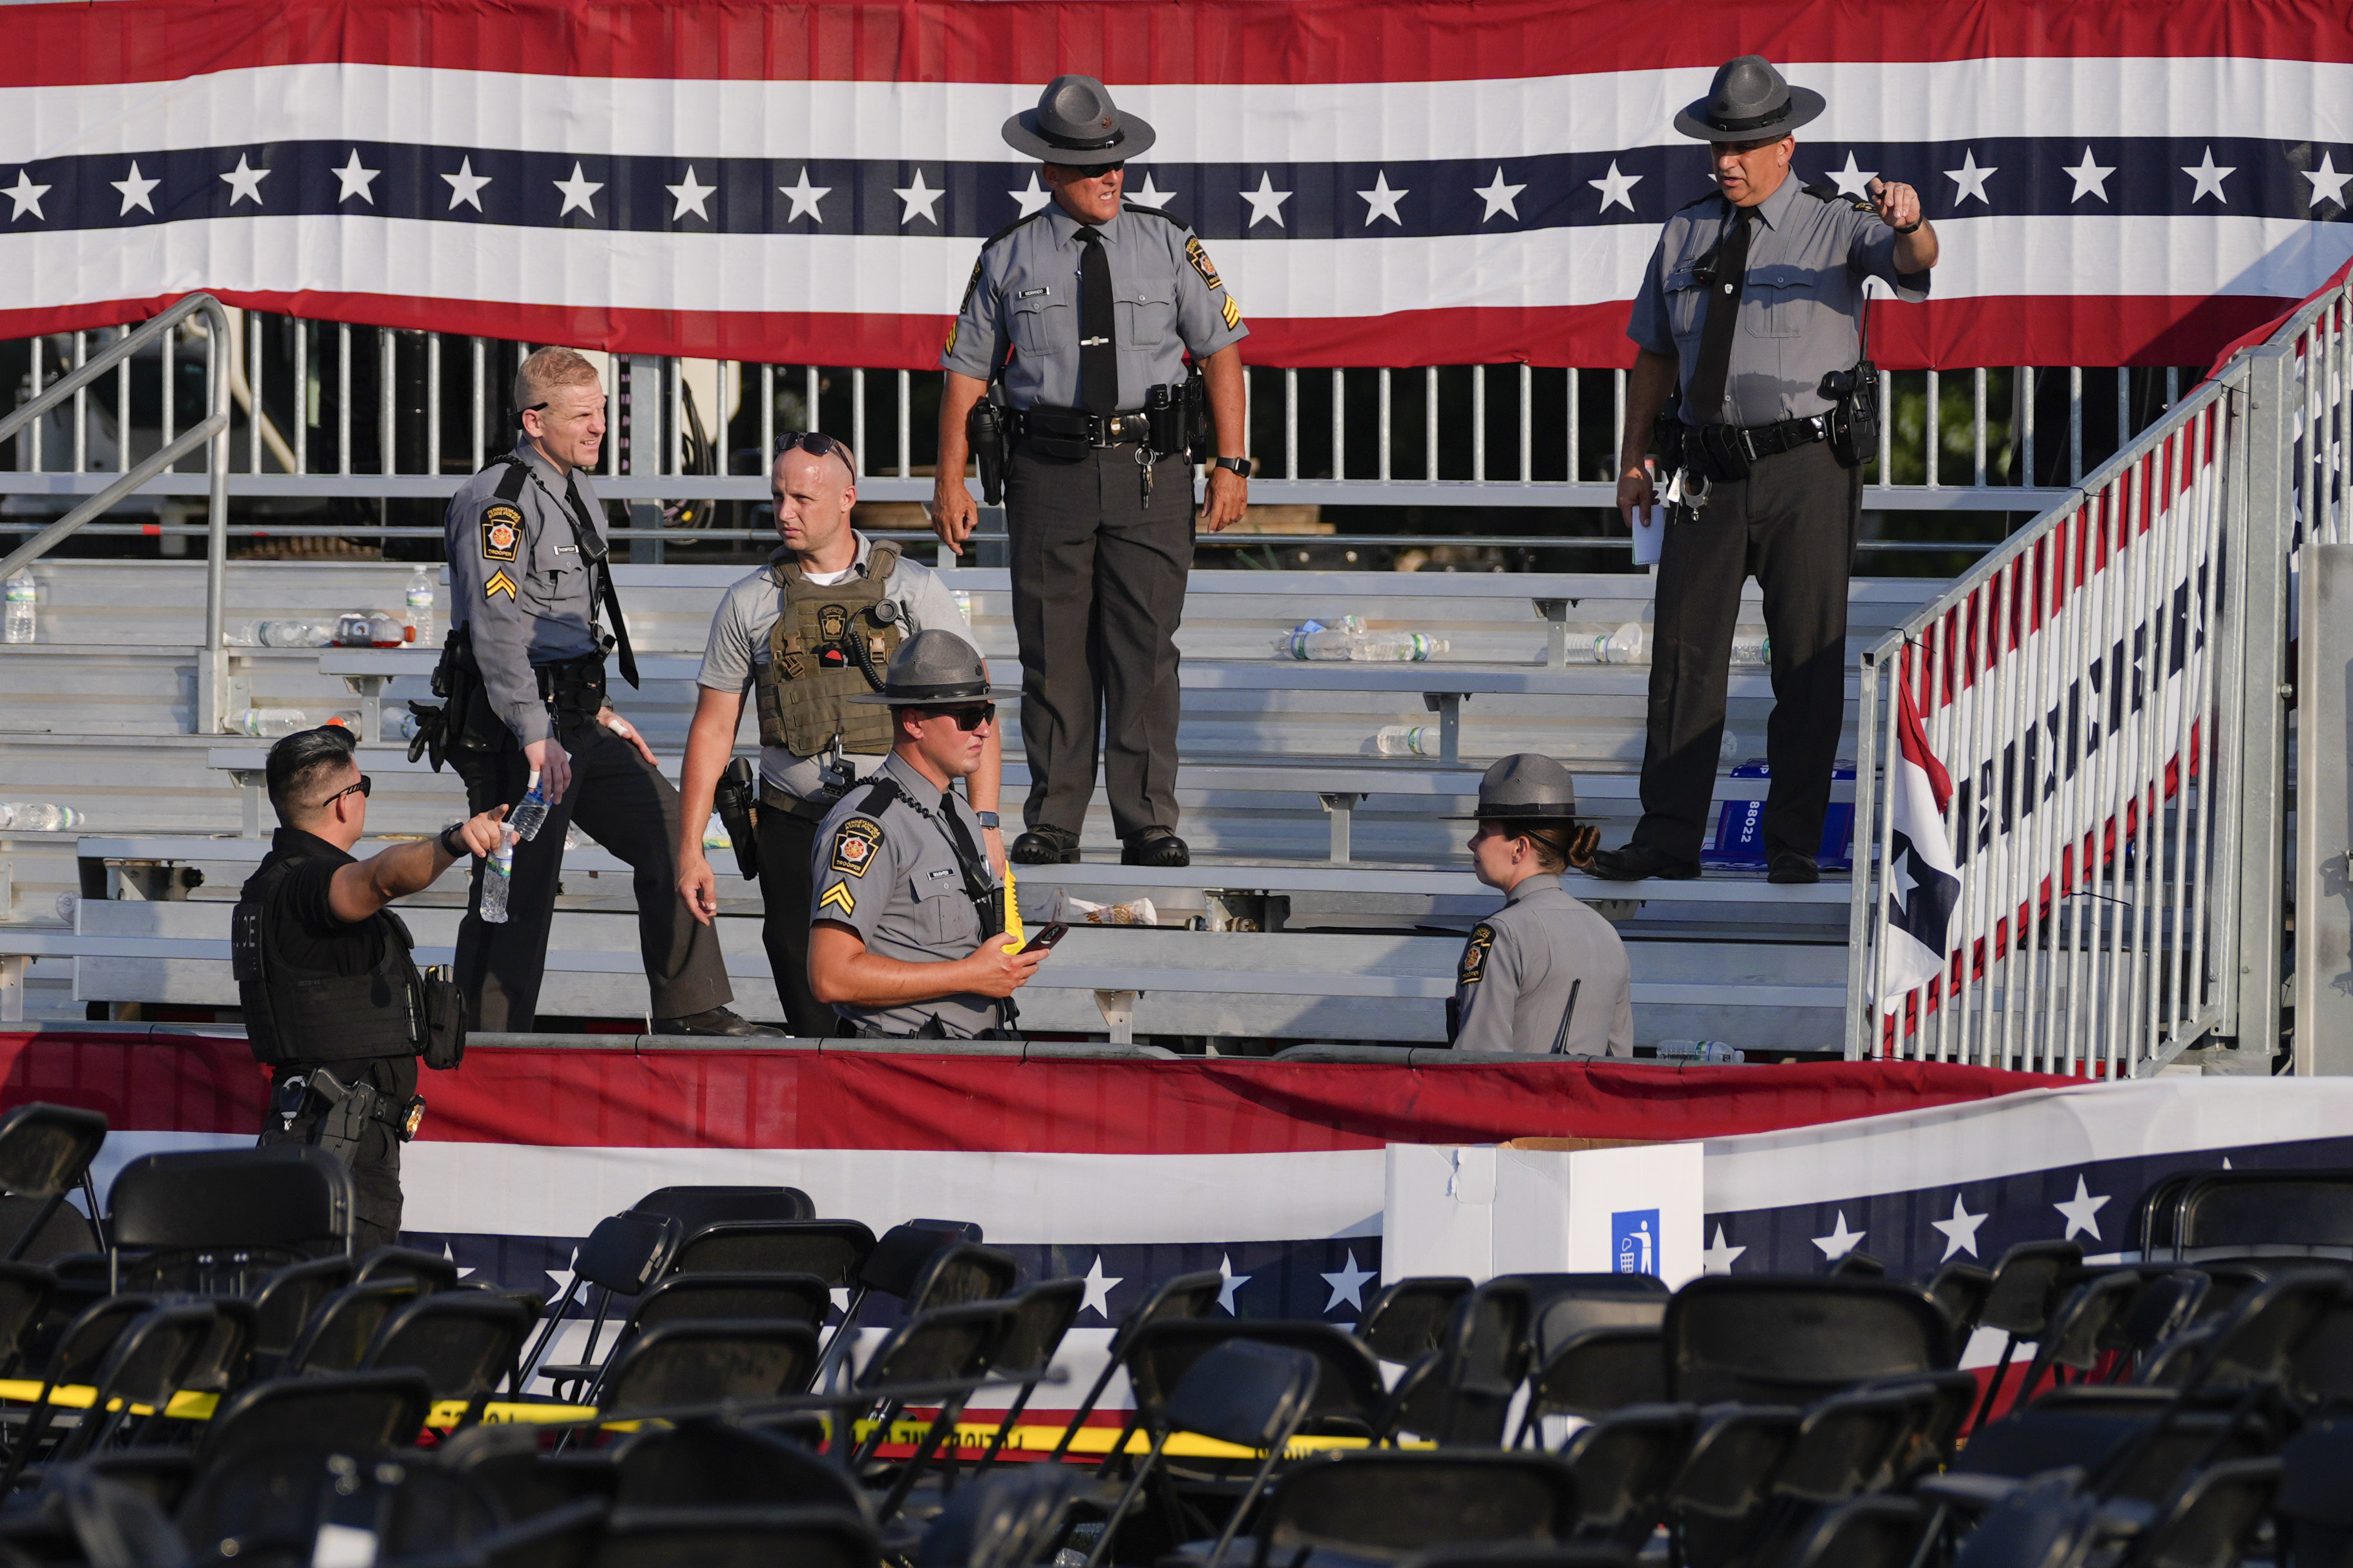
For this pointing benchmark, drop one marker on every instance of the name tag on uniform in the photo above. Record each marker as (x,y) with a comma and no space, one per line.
(936,875)
(568,549)
(1031,293)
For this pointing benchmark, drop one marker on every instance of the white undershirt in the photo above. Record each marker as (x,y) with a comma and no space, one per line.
(828,579)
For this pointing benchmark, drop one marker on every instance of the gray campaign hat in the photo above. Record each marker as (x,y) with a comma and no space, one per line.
(1524,786)
(1076,125)
(1749,100)
(933,670)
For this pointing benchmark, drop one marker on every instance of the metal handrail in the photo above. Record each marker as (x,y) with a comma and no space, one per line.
(212,675)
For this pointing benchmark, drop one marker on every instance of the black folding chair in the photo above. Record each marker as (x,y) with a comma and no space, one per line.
(1961,1289)
(284,1302)
(689,1366)
(1391,1504)
(1725,1483)
(834,1250)
(962,1273)
(429,1271)
(1463,1396)
(350,1413)
(2210,1520)
(465,1343)
(2029,1282)
(1594,1372)
(1251,1395)
(945,1352)
(706,1298)
(2090,1320)
(337,1337)
(1348,1399)
(26,1292)
(1625,1464)
(215,1221)
(147,1364)
(2240,1211)
(1407,1320)
(1768,1339)
(45,1154)
(694,1207)
(894,1264)
(1039,1317)
(736,1538)
(78,1357)
(1184,1296)
(505,1457)
(1875,1532)
(2313,1505)
(713,1463)
(1012,1519)
(624,1254)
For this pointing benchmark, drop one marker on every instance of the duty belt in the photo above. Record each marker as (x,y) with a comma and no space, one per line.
(575,687)
(1755,441)
(1078,425)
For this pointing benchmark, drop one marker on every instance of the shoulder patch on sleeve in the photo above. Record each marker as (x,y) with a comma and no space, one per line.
(502,532)
(840,897)
(1231,315)
(854,843)
(971,287)
(1837,197)
(500,582)
(1201,262)
(1473,967)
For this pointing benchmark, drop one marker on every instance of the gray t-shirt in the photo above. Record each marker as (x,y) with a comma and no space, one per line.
(739,646)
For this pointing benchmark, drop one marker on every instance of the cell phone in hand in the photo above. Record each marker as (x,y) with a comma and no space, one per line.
(1047,938)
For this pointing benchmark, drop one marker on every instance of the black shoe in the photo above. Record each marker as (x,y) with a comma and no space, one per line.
(1790,867)
(718,1021)
(1045,845)
(1637,862)
(1154,846)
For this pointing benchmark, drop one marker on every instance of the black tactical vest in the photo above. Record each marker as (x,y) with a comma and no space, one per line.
(293,1019)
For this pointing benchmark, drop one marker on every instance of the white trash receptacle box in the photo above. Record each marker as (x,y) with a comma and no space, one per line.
(1480,1210)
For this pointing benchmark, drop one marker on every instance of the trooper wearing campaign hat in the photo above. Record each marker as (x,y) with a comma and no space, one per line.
(907,921)
(1753,305)
(1544,975)
(1072,342)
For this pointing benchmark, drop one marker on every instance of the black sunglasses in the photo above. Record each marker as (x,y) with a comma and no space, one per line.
(361,788)
(817,444)
(969,717)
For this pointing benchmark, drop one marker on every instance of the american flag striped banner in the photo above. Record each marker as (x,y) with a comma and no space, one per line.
(1393,183)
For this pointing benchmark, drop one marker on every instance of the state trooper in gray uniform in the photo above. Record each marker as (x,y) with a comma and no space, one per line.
(523,673)
(1097,304)
(1544,975)
(906,928)
(1752,302)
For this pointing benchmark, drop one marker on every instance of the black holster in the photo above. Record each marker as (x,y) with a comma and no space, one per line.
(732,798)
(574,689)
(983,429)
(465,721)
(1853,419)
(1200,438)
(348,1109)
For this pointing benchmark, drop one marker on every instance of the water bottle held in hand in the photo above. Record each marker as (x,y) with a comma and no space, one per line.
(497,876)
(526,819)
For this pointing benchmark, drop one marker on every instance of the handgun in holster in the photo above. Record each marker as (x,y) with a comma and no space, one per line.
(732,798)
(464,721)
(984,429)
(348,1110)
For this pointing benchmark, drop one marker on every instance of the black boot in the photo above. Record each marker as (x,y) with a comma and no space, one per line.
(718,1021)
(1045,844)
(1154,846)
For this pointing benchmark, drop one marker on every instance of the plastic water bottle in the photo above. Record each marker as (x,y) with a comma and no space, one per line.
(37,817)
(525,821)
(1405,740)
(1361,647)
(271,721)
(496,877)
(294,634)
(1751,645)
(1729,751)
(420,605)
(1630,644)
(22,592)
(1699,1051)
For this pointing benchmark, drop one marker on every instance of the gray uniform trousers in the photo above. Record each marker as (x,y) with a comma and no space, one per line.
(1791,524)
(1098,591)
(630,808)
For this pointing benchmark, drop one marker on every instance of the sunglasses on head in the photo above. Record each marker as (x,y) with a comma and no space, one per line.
(969,716)
(360,789)
(817,444)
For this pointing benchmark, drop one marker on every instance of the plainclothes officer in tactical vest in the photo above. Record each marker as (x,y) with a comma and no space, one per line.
(1752,304)
(814,627)
(334,1003)
(528,574)
(1544,975)
(1097,304)
(907,927)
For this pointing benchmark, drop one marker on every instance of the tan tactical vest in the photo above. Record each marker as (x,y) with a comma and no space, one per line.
(801,691)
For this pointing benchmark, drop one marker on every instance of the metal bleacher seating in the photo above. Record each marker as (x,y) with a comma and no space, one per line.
(1328,891)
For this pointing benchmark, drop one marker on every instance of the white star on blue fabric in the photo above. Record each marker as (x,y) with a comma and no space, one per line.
(578,192)
(2081,1212)
(1032,200)
(354,181)
(1841,1240)
(1503,198)
(805,197)
(918,198)
(245,182)
(1381,201)
(2091,179)
(1266,202)
(1970,179)
(1348,1284)
(2328,185)
(135,191)
(27,197)
(466,185)
(1616,187)
(1233,1282)
(1099,1285)
(2209,178)
(1151,195)
(1960,1232)
(1852,181)
(1719,1258)
(691,196)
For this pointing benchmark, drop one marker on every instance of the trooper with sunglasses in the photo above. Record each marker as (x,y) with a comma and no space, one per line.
(324,968)
(1078,320)
(907,926)
(811,630)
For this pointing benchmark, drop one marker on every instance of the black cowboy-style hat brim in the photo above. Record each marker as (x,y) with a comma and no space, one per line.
(1130,139)
(1804,105)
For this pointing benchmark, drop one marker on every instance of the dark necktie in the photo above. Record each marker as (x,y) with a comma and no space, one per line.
(1098,355)
(598,560)
(1731,277)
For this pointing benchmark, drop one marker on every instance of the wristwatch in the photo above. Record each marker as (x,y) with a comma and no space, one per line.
(455,850)
(1232,465)
(987,819)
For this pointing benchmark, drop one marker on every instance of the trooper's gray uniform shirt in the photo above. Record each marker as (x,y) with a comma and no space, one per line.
(892,878)
(1799,312)
(1024,292)
(739,647)
(530,599)
(1513,983)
